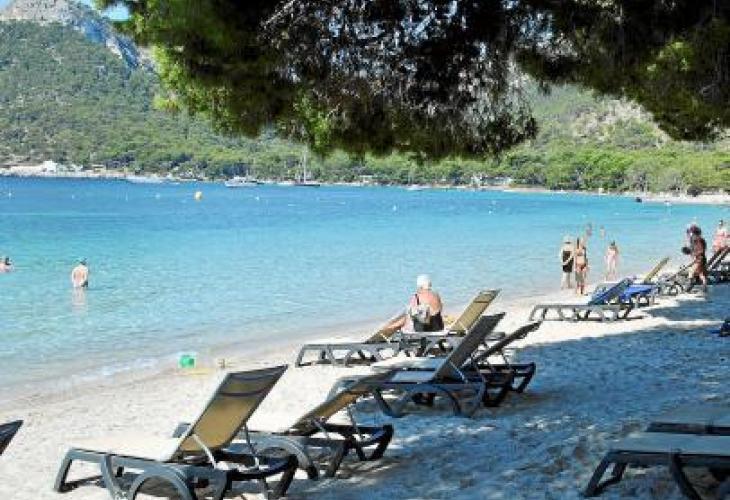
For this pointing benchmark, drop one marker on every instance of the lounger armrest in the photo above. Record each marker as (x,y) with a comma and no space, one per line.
(181,428)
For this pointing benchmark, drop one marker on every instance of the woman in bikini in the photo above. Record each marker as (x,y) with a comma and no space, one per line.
(612,261)
(581,267)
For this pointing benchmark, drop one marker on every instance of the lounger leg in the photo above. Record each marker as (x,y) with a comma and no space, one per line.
(675,467)
(60,485)
(338,455)
(300,357)
(286,478)
(182,487)
(110,478)
(383,442)
(526,373)
(595,486)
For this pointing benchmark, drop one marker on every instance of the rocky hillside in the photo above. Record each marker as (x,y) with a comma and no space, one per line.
(81,18)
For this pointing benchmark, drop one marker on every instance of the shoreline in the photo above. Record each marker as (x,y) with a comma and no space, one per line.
(710,198)
(233,352)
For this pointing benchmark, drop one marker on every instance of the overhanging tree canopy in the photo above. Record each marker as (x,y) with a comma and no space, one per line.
(433,77)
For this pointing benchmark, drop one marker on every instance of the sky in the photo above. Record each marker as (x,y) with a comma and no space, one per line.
(115,13)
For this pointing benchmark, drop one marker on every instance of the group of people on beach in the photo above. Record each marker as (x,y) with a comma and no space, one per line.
(574,256)
(574,261)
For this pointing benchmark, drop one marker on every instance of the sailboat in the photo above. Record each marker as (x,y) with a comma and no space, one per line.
(239,182)
(304,181)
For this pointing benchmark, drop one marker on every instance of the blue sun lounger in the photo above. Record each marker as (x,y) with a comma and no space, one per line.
(603,306)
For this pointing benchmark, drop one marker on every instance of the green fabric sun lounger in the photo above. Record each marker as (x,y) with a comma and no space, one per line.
(314,432)
(604,306)
(199,456)
(454,378)
(424,342)
(342,352)
(7,431)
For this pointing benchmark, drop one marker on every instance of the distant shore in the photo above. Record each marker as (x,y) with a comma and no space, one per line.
(43,171)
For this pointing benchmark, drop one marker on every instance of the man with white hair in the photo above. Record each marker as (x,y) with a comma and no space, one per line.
(424,307)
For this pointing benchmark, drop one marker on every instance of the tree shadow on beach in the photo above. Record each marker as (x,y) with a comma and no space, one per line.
(546,442)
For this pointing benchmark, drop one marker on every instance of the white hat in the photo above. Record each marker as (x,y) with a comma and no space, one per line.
(423,282)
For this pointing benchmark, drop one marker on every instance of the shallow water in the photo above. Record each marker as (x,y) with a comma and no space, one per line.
(171,275)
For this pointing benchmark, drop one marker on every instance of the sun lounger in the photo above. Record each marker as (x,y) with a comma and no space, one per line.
(7,431)
(451,377)
(313,431)
(687,282)
(719,270)
(199,456)
(421,343)
(641,292)
(341,352)
(676,451)
(520,374)
(502,377)
(699,419)
(603,306)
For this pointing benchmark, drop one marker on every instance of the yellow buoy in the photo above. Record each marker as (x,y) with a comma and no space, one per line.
(198,195)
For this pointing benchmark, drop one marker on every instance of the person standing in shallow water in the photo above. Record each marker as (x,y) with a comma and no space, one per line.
(80,275)
(612,254)
(581,266)
(698,248)
(566,255)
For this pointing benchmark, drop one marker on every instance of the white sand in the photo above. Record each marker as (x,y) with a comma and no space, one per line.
(595,382)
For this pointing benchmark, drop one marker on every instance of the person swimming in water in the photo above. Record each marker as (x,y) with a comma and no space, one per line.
(5,265)
(80,275)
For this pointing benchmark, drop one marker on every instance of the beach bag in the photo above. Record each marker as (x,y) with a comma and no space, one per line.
(420,315)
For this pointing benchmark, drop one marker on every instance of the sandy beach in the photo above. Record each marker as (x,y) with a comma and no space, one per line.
(595,382)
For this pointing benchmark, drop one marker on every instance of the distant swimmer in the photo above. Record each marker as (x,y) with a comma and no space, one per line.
(5,265)
(80,275)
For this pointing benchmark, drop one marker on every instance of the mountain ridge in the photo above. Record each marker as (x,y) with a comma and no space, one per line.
(81,18)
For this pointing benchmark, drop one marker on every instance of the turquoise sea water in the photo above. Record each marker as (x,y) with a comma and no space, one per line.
(170,274)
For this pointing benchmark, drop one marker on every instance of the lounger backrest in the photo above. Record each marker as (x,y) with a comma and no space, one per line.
(7,431)
(232,404)
(717,259)
(473,311)
(449,368)
(386,332)
(610,293)
(336,403)
(655,270)
(518,334)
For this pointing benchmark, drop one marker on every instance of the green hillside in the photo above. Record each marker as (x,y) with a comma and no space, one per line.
(66,99)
